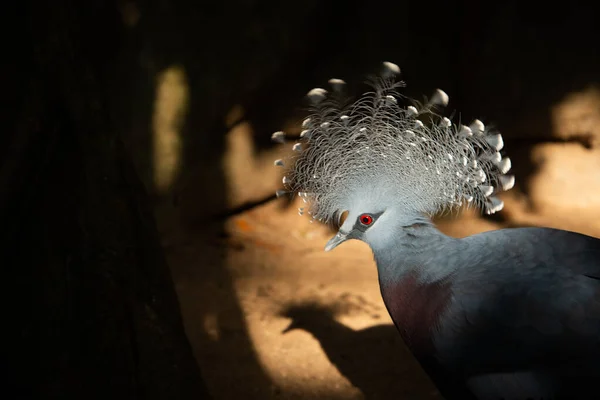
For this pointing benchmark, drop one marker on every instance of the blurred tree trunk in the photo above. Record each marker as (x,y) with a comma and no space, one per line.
(91,308)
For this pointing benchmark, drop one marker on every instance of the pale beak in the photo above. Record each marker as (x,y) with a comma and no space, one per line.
(336,240)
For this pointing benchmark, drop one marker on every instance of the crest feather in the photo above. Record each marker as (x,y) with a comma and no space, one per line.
(377,147)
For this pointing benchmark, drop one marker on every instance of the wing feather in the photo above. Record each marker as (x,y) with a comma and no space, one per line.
(518,313)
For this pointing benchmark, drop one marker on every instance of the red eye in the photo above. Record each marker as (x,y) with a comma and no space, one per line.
(365,219)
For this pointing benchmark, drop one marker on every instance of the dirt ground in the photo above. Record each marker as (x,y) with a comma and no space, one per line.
(344,345)
(271,315)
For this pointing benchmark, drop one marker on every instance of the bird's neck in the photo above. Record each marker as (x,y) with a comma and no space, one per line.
(418,250)
(415,276)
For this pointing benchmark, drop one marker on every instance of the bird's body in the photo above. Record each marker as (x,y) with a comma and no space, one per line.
(520,319)
(507,314)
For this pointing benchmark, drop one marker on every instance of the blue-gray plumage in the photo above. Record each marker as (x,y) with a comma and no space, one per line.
(511,314)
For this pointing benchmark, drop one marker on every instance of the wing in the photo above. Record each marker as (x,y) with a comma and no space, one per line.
(576,252)
(522,385)
(555,249)
(526,313)
(510,386)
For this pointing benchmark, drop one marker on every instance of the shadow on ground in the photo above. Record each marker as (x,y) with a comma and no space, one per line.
(372,359)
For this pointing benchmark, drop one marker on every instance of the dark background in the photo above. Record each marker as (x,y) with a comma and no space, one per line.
(91,311)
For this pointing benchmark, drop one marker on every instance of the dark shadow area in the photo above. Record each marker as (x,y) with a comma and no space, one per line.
(373,359)
(92,311)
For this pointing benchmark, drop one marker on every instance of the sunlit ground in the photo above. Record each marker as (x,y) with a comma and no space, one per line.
(342,345)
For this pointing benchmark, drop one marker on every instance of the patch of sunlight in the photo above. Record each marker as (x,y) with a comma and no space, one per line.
(565,182)
(170,109)
(578,114)
(564,191)
(563,165)
(211,326)
(250,176)
(234,116)
(297,358)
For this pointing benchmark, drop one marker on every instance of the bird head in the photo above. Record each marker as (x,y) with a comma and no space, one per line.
(356,227)
(369,227)
(371,219)
(383,165)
